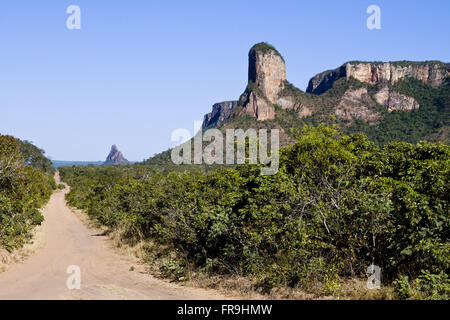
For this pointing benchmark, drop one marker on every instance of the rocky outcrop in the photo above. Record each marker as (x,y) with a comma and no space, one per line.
(257,106)
(267,70)
(324,81)
(220,112)
(394,101)
(268,87)
(115,157)
(266,78)
(357,104)
(432,73)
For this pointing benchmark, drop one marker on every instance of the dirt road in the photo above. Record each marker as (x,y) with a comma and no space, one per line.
(104,273)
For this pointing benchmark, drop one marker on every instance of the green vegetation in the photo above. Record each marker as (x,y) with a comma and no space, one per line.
(430,122)
(264,47)
(26,183)
(337,204)
(427,123)
(35,157)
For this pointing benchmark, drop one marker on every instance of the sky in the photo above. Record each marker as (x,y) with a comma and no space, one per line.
(138,70)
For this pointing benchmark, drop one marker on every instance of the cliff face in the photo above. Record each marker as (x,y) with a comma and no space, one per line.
(266,78)
(432,73)
(356,104)
(348,101)
(394,101)
(256,105)
(324,80)
(115,157)
(267,71)
(220,112)
(429,73)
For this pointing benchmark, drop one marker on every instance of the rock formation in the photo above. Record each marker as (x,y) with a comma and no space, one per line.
(431,72)
(220,112)
(357,104)
(266,78)
(268,88)
(115,157)
(266,70)
(394,101)
(257,106)
(324,80)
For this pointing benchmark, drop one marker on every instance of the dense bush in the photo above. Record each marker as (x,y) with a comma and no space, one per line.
(337,204)
(23,190)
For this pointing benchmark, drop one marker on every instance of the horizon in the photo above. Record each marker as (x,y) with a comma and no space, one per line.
(131,76)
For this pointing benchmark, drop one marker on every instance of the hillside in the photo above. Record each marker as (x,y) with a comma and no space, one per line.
(408,101)
(388,101)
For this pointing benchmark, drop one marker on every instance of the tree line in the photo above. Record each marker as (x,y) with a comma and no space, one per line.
(26,183)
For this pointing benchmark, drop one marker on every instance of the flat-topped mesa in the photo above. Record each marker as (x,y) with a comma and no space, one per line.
(432,73)
(115,157)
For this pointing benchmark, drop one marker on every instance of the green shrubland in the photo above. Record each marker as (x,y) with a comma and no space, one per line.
(26,183)
(337,204)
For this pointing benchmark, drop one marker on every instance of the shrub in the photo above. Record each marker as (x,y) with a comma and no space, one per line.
(337,204)
(23,190)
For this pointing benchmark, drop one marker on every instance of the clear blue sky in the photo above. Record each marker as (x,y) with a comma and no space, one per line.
(137,70)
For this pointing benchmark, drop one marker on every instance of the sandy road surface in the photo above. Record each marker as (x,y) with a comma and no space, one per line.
(104,273)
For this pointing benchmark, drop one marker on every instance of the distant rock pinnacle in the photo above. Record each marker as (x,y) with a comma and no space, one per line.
(115,157)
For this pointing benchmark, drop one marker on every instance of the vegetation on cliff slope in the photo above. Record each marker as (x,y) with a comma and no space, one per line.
(337,204)
(430,122)
(265,47)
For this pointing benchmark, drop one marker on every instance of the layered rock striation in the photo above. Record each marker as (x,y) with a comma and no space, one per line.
(430,72)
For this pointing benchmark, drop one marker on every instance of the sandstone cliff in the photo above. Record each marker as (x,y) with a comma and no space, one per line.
(430,72)
(220,112)
(392,101)
(364,91)
(266,78)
